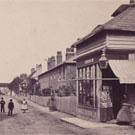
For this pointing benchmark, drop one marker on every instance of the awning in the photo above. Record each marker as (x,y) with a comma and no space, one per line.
(124,70)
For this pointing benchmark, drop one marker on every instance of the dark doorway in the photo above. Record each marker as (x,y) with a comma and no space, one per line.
(116,89)
(117,92)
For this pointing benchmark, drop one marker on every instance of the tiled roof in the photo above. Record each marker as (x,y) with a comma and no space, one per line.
(70,61)
(122,8)
(123,21)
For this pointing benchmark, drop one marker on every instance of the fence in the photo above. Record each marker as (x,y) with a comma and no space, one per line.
(66,104)
(41,100)
(63,104)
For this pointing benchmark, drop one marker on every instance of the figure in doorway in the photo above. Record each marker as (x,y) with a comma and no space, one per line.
(110,115)
(105,105)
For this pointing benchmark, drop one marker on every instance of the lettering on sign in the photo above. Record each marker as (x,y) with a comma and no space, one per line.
(89,61)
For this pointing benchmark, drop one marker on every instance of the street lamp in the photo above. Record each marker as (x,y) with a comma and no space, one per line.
(103,61)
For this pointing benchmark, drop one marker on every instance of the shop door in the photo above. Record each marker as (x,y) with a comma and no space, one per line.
(116,97)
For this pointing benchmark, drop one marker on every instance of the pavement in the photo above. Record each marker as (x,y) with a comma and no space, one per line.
(70,119)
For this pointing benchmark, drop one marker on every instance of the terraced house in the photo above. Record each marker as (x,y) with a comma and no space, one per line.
(60,76)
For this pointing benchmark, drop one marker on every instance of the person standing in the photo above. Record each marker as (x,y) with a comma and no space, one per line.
(109,106)
(2,102)
(24,106)
(10,107)
(103,105)
(124,115)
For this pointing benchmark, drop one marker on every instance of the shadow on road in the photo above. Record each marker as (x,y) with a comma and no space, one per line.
(4,116)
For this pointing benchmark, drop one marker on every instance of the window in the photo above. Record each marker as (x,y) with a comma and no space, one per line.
(87,86)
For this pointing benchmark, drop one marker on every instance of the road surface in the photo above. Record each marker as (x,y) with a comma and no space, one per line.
(35,122)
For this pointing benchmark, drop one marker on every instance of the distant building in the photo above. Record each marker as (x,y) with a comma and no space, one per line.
(4,88)
(33,87)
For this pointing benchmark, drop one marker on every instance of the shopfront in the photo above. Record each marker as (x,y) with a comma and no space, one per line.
(115,77)
(106,66)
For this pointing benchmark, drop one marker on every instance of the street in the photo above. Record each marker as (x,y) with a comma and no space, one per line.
(36,122)
(32,122)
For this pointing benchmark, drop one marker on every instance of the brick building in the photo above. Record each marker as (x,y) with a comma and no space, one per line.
(60,75)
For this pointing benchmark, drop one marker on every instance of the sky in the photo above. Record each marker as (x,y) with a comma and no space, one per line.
(33,30)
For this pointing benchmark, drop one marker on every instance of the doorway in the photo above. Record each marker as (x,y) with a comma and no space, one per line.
(116,89)
(117,92)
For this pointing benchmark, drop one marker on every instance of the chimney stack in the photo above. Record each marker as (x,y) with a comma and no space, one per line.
(69,53)
(52,62)
(132,1)
(38,69)
(49,63)
(32,70)
(59,57)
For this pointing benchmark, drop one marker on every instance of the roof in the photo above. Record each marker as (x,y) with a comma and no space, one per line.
(124,21)
(124,70)
(70,61)
(122,8)
(32,74)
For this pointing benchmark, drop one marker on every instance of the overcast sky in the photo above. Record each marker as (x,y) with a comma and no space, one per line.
(33,30)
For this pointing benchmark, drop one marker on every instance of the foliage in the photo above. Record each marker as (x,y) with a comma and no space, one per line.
(66,91)
(46,92)
(14,85)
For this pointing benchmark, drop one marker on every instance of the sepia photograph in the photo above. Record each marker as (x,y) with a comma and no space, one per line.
(67,67)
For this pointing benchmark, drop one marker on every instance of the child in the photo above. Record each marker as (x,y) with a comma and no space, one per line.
(24,106)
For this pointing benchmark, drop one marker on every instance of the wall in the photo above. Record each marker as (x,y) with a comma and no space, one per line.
(44,81)
(63,104)
(41,100)
(123,41)
(88,114)
(67,104)
(91,44)
(58,76)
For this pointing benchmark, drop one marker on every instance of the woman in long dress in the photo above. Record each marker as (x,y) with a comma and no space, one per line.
(24,106)
(124,115)
(105,105)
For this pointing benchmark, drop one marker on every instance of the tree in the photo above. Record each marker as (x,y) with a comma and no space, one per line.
(14,85)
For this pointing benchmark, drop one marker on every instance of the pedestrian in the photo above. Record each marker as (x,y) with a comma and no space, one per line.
(2,102)
(24,106)
(124,115)
(52,102)
(10,107)
(109,106)
(103,104)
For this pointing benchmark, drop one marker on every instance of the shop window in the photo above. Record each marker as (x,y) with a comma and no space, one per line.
(87,86)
